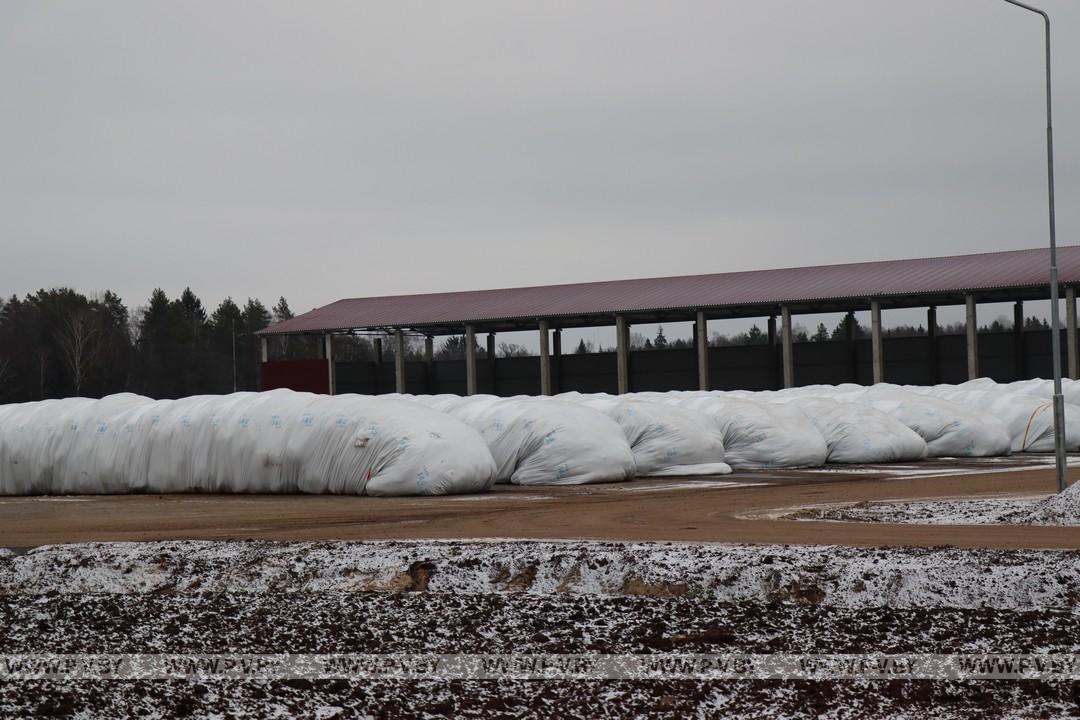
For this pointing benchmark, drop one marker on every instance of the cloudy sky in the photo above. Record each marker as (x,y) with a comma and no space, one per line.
(327,150)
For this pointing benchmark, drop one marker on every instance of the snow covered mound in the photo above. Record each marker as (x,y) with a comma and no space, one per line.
(825,575)
(541,440)
(278,441)
(665,439)
(1060,509)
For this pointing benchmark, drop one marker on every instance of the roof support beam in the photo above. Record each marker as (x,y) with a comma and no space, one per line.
(1070,332)
(328,352)
(399,360)
(972,327)
(701,338)
(622,351)
(545,358)
(470,360)
(875,342)
(789,354)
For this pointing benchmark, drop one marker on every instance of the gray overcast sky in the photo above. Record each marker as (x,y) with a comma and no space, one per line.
(327,150)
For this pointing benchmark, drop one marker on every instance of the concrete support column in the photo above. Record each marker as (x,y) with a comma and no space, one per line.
(376,343)
(789,350)
(972,338)
(875,342)
(264,349)
(931,336)
(1019,361)
(1070,332)
(853,348)
(470,360)
(777,363)
(491,363)
(545,358)
(556,365)
(399,360)
(701,341)
(429,364)
(622,352)
(328,351)
(771,332)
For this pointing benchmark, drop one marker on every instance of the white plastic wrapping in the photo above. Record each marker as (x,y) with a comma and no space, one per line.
(757,434)
(272,442)
(856,433)
(1029,419)
(541,440)
(666,440)
(949,429)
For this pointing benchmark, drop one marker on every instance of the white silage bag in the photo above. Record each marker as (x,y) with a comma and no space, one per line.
(757,434)
(858,433)
(541,440)
(949,429)
(1029,419)
(666,440)
(273,442)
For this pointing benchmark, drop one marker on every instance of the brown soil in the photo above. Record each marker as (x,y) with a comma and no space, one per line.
(640,510)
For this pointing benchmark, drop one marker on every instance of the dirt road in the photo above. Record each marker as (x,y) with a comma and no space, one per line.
(728,509)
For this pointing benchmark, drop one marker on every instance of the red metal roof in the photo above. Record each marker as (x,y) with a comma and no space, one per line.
(883,279)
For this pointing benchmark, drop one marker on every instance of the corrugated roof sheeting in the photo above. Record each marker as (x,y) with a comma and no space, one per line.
(883,279)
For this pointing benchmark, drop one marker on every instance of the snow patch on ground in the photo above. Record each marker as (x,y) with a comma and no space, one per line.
(1060,509)
(822,575)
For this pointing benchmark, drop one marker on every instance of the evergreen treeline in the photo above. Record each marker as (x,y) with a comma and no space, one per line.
(61,343)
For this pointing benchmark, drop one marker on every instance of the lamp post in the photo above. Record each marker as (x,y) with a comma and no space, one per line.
(1055,333)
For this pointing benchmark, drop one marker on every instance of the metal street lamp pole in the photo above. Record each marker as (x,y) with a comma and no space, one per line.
(1055,332)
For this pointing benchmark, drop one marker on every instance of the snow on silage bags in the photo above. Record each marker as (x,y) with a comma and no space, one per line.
(665,439)
(541,440)
(757,434)
(277,441)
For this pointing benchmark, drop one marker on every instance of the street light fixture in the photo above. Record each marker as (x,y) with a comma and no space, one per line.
(1055,333)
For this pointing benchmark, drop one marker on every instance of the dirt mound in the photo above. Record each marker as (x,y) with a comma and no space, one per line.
(1060,509)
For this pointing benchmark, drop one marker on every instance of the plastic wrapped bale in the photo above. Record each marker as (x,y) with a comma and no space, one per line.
(1070,389)
(543,441)
(757,434)
(666,440)
(949,429)
(1029,419)
(857,433)
(273,442)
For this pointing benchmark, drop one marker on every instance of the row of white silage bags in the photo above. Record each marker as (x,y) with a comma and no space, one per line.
(666,440)
(756,433)
(856,433)
(272,442)
(1028,418)
(541,440)
(947,428)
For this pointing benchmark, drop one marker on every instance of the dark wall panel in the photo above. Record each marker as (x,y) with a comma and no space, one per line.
(301,375)
(908,360)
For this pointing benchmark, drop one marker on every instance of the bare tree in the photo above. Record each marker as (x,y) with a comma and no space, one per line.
(77,338)
(507,350)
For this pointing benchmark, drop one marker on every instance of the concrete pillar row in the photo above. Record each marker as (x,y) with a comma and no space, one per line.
(1070,333)
(545,358)
(931,335)
(399,360)
(622,351)
(1019,361)
(470,360)
(556,367)
(491,363)
(972,327)
(701,342)
(875,342)
(789,351)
